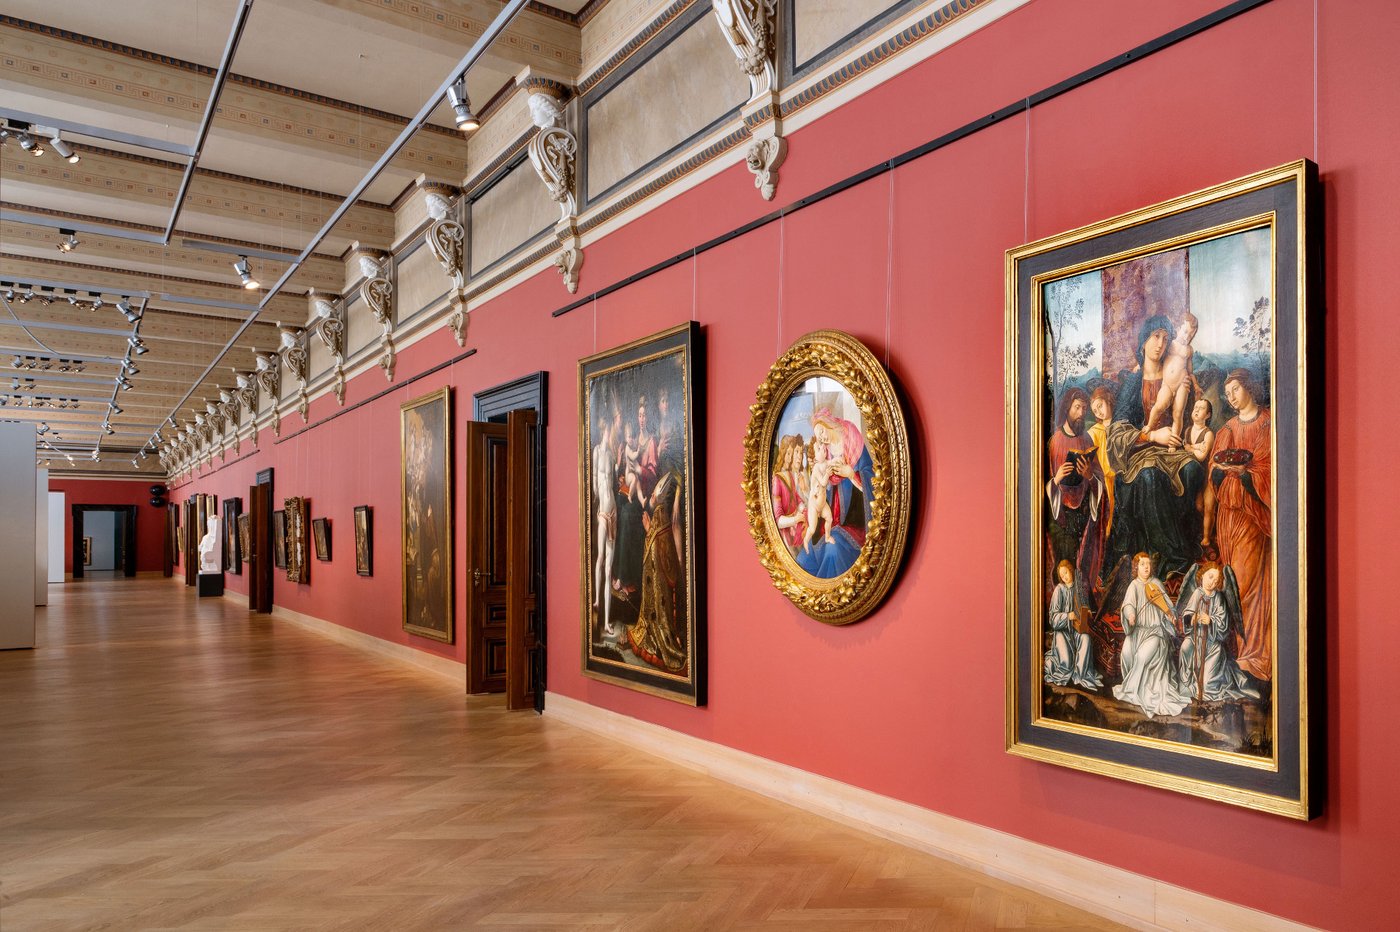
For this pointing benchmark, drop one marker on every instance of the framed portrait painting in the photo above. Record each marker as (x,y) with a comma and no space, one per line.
(245,530)
(643,618)
(321,536)
(1157,444)
(233,545)
(364,565)
(279,539)
(827,477)
(425,483)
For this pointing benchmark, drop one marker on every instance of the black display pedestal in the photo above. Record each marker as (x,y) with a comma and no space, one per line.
(211,584)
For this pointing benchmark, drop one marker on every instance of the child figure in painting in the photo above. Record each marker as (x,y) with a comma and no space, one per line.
(631,460)
(818,508)
(1176,376)
(1200,437)
(1070,659)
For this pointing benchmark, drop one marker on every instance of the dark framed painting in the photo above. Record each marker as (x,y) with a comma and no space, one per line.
(87,551)
(321,535)
(245,533)
(643,573)
(364,542)
(1157,444)
(233,546)
(172,535)
(425,484)
(298,512)
(279,539)
(827,477)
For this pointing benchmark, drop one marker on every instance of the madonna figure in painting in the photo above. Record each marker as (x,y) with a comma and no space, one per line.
(841,466)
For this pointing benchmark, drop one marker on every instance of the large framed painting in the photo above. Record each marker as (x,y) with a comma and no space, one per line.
(643,615)
(426,486)
(298,517)
(827,477)
(1157,444)
(321,534)
(233,549)
(172,534)
(364,543)
(279,539)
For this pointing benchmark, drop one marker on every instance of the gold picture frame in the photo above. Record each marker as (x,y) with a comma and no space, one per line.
(1157,511)
(425,487)
(642,579)
(298,539)
(827,420)
(279,539)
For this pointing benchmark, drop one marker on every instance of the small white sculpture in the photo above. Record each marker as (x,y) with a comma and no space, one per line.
(208,544)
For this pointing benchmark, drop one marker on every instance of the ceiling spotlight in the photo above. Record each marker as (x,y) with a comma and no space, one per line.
(241,267)
(95,457)
(69,242)
(31,145)
(96,300)
(27,295)
(137,346)
(9,294)
(130,367)
(124,382)
(107,429)
(116,410)
(43,428)
(45,298)
(69,293)
(63,149)
(461,106)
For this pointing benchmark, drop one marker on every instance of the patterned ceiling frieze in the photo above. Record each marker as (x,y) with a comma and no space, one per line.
(102,72)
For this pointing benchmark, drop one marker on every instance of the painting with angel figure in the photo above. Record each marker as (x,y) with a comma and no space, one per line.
(1158,509)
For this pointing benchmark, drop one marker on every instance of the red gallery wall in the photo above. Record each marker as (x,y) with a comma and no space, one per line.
(150,533)
(909,702)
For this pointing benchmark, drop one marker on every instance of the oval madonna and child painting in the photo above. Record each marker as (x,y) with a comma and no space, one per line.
(826,477)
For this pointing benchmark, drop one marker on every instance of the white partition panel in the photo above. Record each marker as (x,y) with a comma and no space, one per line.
(17,554)
(41,537)
(57,543)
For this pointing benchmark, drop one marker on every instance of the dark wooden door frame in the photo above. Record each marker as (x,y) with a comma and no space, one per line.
(495,404)
(128,537)
(260,539)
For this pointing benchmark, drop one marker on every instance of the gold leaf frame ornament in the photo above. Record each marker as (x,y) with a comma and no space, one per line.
(856,592)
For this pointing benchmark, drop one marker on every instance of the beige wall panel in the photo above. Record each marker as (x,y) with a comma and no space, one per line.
(819,24)
(408,217)
(421,280)
(320,362)
(506,124)
(360,329)
(515,209)
(682,89)
(615,24)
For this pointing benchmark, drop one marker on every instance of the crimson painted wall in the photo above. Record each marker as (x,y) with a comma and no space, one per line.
(150,533)
(909,702)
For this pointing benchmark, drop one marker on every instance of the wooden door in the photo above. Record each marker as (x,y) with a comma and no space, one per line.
(524,634)
(191,549)
(486,556)
(260,544)
(78,570)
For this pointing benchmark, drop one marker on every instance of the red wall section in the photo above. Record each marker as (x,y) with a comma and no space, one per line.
(150,522)
(909,702)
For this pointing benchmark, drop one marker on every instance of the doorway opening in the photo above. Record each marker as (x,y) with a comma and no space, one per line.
(505,504)
(104,541)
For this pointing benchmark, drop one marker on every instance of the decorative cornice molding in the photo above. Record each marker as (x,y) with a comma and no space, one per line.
(506,155)
(633,45)
(153,276)
(895,44)
(589,10)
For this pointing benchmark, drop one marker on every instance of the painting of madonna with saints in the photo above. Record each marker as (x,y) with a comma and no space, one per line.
(1156,609)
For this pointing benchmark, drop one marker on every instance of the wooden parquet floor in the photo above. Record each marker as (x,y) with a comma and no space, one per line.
(174,763)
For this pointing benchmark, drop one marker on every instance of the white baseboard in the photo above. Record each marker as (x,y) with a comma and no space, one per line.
(1112,892)
(439,666)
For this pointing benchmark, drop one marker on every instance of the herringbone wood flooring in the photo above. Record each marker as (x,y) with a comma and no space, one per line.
(174,763)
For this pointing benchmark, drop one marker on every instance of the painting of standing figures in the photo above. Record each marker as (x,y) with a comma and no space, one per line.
(642,625)
(1157,434)
(425,483)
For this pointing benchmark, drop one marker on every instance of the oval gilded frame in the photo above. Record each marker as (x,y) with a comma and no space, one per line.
(855,593)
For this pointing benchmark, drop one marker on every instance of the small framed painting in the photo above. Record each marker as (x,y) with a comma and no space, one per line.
(279,539)
(364,543)
(321,535)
